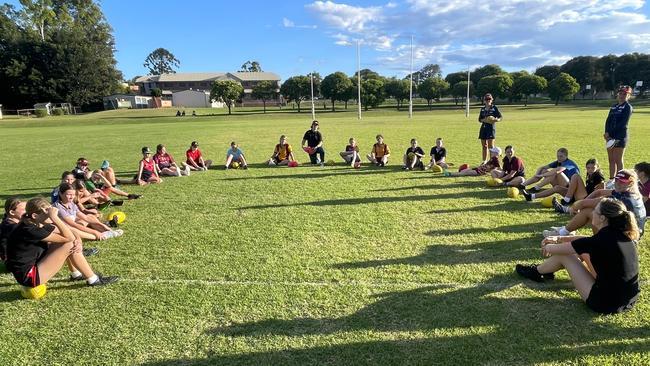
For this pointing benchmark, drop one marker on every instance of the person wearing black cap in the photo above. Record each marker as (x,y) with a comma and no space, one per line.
(314,148)
(148,170)
(195,158)
(616,130)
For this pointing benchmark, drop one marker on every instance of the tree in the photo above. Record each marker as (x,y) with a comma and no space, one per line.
(515,93)
(584,71)
(227,91)
(548,72)
(335,86)
(456,77)
(432,88)
(161,61)
(606,67)
(350,93)
(251,66)
(459,90)
(498,85)
(296,89)
(529,84)
(39,14)
(563,87)
(156,92)
(428,71)
(265,90)
(487,70)
(372,92)
(398,89)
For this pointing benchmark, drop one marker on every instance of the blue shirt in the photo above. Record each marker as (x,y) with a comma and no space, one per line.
(488,130)
(570,167)
(236,154)
(617,120)
(634,205)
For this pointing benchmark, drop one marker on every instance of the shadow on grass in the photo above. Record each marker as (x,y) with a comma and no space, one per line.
(507,206)
(26,195)
(459,326)
(314,175)
(441,184)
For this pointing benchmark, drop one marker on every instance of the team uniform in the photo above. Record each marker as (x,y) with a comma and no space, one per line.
(617,121)
(570,167)
(513,165)
(25,247)
(417,150)
(438,154)
(163,160)
(489,166)
(281,153)
(314,138)
(380,150)
(594,180)
(634,205)
(6,227)
(350,148)
(615,259)
(148,168)
(645,192)
(488,131)
(193,156)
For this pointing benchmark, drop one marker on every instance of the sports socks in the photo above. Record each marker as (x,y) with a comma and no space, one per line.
(563,231)
(92,279)
(567,199)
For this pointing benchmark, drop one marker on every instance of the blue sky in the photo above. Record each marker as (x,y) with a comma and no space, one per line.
(296,37)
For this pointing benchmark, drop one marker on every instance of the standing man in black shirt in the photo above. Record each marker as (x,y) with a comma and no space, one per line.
(314,147)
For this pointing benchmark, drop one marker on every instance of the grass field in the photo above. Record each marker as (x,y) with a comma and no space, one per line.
(321,266)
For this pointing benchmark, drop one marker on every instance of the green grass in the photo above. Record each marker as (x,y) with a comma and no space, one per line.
(323,266)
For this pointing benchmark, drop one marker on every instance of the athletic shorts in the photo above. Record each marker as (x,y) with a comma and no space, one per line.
(146,175)
(164,166)
(621,143)
(600,302)
(29,279)
(519,174)
(106,191)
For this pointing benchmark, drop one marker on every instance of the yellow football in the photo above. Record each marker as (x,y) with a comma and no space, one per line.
(34,293)
(513,192)
(436,169)
(234,165)
(121,216)
(547,201)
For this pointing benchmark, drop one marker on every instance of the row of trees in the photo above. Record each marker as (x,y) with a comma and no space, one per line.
(56,50)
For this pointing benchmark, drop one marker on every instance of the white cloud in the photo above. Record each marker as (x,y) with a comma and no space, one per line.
(287,23)
(513,33)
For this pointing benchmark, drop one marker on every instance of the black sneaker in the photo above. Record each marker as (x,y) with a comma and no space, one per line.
(132,196)
(529,271)
(76,278)
(104,280)
(382,164)
(117,203)
(558,207)
(88,252)
(113,222)
(535,190)
(527,195)
(245,167)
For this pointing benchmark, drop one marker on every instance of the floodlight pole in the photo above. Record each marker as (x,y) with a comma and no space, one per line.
(313,109)
(467,100)
(411,83)
(358,79)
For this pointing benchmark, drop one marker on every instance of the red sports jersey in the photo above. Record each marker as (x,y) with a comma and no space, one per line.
(193,155)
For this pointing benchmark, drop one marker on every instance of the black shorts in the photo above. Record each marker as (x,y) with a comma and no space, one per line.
(29,278)
(519,174)
(600,302)
(146,175)
(620,143)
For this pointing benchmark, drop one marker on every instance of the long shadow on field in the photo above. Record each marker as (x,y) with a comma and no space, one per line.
(314,175)
(440,184)
(438,325)
(26,195)
(507,206)
(487,195)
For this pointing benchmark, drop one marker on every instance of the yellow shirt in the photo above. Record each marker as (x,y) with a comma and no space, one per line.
(282,151)
(380,150)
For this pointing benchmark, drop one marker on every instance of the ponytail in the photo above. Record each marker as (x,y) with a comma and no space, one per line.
(619,218)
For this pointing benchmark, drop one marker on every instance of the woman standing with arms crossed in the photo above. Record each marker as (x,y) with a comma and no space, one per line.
(488,116)
(616,130)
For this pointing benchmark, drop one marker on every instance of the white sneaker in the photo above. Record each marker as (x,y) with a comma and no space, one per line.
(609,184)
(552,232)
(271,163)
(322,164)
(187,170)
(117,233)
(178,172)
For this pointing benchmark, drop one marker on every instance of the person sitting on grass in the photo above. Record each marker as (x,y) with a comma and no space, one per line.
(108,173)
(438,155)
(37,250)
(314,140)
(98,183)
(643,172)
(380,152)
(556,173)
(86,201)
(195,158)
(81,170)
(625,190)
(87,227)
(14,211)
(513,173)
(66,177)
(609,283)
(413,156)
(235,155)
(167,164)
(351,154)
(577,189)
(282,154)
(147,170)
(482,169)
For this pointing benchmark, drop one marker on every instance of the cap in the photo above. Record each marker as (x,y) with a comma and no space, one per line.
(146,150)
(625,88)
(623,177)
(195,144)
(82,161)
(496,150)
(314,122)
(105,164)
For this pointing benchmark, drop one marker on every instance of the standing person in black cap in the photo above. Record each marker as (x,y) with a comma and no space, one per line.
(195,158)
(314,147)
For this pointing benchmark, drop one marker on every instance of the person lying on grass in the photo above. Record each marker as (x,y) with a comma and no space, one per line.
(235,155)
(66,177)
(282,154)
(14,211)
(482,169)
(380,152)
(195,158)
(577,189)
(147,170)
(167,164)
(625,190)
(513,173)
(42,243)
(608,282)
(413,156)
(86,227)
(351,153)
(438,155)
(556,173)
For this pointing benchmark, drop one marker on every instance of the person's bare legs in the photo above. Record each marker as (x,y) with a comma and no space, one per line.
(617,157)
(581,219)
(549,192)
(371,159)
(582,279)
(82,234)
(229,161)
(208,163)
(170,172)
(515,182)
(484,149)
(284,162)
(109,174)
(464,173)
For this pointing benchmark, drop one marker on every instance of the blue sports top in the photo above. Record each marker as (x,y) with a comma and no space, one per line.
(617,119)
(570,167)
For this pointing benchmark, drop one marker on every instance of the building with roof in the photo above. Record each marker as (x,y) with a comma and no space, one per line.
(202,81)
(194,99)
